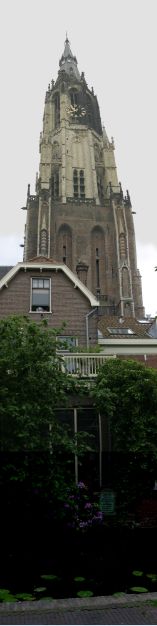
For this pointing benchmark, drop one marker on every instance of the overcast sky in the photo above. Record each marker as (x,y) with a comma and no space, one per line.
(115,44)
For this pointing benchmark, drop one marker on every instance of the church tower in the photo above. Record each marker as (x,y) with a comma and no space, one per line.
(79,215)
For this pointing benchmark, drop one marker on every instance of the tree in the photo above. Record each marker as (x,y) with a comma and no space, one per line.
(37,453)
(32,384)
(126,396)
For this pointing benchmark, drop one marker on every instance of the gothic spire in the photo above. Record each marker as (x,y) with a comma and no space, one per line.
(68,62)
(67,51)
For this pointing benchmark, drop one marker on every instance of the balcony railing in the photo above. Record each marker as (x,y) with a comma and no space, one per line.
(83,365)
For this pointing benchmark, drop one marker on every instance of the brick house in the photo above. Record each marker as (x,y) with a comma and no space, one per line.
(42,288)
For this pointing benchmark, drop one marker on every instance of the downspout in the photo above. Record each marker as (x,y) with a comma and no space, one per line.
(87,325)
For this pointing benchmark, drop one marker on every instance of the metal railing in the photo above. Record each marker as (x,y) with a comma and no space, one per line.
(83,365)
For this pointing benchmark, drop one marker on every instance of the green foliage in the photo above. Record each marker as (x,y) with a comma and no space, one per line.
(49,577)
(24,596)
(85,594)
(126,393)
(153,602)
(6,596)
(79,579)
(118,594)
(32,384)
(137,573)
(153,577)
(37,452)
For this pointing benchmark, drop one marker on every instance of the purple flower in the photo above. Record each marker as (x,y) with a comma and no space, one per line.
(88,505)
(66,506)
(81,485)
(97,517)
(83,524)
(99,514)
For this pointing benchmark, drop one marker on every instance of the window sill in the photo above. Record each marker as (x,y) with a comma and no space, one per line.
(41,312)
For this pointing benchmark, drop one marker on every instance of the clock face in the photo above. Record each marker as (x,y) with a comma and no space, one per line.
(76,111)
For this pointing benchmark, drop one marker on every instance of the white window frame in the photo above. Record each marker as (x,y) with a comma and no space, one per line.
(116,330)
(31,292)
(63,338)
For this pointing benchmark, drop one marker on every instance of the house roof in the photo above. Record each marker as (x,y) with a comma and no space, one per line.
(47,264)
(4,269)
(108,325)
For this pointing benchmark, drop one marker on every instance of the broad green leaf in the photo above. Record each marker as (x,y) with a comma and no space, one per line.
(85,593)
(49,577)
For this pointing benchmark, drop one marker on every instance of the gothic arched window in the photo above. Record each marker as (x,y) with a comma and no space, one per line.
(122,245)
(74,97)
(100,186)
(64,245)
(78,184)
(55,185)
(75,183)
(82,186)
(57,110)
(98,260)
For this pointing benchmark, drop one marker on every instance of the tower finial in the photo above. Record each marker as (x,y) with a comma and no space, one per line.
(68,62)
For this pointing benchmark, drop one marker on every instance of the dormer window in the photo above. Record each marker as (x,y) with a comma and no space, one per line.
(121,331)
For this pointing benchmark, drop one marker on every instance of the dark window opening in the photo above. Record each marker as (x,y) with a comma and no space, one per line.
(82,186)
(55,185)
(74,98)
(79,184)
(64,254)
(40,294)
(97,274)
(75,183)
(57,110)
(100,187)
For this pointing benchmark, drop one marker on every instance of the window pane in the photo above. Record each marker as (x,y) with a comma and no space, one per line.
(40,298)
(68,342)
(121,331)
(66,416)
(46,283)
(35,283)
(40,283)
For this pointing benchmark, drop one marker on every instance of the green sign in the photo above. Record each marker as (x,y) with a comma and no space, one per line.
(107,502)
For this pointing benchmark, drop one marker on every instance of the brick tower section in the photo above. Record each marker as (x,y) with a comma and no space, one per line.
(79,214)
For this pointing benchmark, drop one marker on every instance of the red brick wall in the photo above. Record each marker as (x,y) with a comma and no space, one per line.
(149,361)
(68,304)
